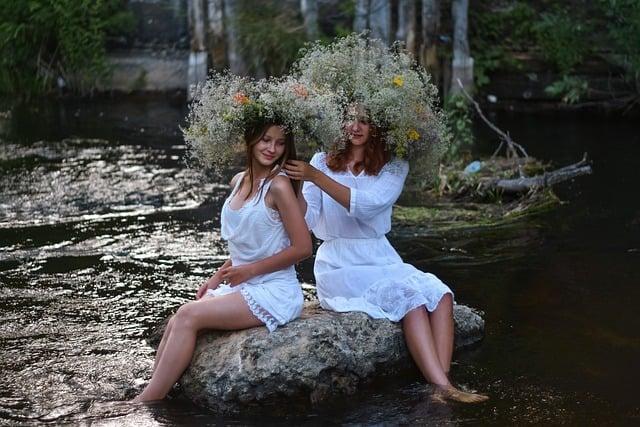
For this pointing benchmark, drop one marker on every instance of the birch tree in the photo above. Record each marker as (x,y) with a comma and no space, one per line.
(309,9)
(197,69)
(361,18)
(430,30)
(462,64)
(375,16)
(407,24)
(216,40)
(237,64)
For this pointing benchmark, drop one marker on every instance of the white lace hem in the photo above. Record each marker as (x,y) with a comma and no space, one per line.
(263,315)
(393,299)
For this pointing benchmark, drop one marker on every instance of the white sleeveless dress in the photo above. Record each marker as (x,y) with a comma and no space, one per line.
(255,232)
(356,268)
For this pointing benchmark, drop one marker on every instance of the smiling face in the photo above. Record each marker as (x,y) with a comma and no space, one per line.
(270,147)
(357,126)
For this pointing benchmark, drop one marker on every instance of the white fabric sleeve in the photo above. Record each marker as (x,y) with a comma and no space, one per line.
(366,204)
(313,195)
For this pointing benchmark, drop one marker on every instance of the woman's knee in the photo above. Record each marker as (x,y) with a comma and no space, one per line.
(186,317)
(445,303)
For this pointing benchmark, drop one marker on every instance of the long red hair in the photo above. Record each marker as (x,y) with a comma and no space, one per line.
(376,155)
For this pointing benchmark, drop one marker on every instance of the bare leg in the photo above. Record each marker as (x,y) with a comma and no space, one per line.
(163,342)
(421,344)
(227,312)
(442,328)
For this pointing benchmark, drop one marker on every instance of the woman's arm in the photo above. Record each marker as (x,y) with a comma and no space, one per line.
(293,221)
(310,199)
(303,171)
(214,281)
(362,204)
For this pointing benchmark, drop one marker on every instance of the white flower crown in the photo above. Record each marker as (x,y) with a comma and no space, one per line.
(396,93)
(226,107)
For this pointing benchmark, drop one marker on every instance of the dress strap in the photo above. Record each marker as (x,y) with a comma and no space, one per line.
(238,183)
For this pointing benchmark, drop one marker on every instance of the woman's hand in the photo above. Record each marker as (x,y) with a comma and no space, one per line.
(236,275)
(212,283)
(300,171)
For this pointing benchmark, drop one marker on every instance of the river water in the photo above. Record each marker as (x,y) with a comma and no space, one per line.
(104,232)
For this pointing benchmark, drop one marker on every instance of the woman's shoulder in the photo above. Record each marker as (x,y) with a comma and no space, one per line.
(319,160)
(280,183)
(236,178)
(396,167)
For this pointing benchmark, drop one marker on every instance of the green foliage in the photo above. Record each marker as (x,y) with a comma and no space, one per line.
(270,36)
(458,114)
(494,34)
(623,31)
(570,88)
(563,39)
(42,40)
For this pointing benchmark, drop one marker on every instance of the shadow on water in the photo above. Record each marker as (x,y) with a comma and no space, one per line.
(104,232)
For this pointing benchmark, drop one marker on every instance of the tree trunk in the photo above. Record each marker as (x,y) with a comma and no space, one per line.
(216,41)
(407,24)
(430,33)
(197,71)
(361,19)
(237,64)
(309,9)
(462,64)
(380,19)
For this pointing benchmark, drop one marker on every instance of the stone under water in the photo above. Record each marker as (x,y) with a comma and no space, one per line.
(318,356)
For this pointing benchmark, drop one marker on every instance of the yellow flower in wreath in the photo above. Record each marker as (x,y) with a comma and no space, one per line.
(413,135)
(398,81)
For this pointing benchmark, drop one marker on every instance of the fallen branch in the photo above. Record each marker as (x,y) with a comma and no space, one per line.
(547,179)
(512,146)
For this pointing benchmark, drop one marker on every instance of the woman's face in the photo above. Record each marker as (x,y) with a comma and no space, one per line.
(358,131)
(270,147)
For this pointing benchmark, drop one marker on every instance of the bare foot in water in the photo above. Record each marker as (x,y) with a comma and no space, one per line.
(450,393)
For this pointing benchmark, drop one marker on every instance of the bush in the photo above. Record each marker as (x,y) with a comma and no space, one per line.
(563,39)
(42,41)
(458,114)
(495,33)
(270,36)
(570,88)
(623,31)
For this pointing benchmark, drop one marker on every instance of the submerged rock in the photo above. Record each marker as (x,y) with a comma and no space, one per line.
(322,354)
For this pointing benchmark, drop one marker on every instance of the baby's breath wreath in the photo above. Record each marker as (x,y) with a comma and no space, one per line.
(396,93)
(227,106)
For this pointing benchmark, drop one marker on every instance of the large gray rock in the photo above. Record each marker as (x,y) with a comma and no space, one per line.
(321,354)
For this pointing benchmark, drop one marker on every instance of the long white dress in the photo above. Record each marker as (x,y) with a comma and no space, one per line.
(255,232)
(356,268)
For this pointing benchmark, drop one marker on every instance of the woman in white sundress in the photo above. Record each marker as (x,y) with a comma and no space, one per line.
(260,220)
(257,285)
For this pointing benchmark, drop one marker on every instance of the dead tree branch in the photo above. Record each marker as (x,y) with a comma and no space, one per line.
(513,148)
(547,179)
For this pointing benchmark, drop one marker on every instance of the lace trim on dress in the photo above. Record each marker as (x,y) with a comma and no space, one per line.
(397,298)
(263,315)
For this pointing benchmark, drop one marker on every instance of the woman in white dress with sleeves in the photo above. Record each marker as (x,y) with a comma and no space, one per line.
(348,198)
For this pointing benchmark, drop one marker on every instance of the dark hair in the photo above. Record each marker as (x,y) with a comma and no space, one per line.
(252,137)
(376,154)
